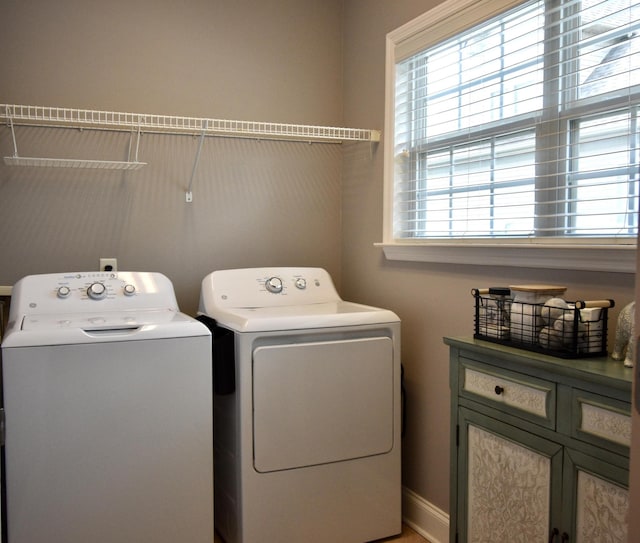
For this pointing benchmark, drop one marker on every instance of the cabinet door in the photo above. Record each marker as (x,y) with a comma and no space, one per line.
(600,499)
(509,482)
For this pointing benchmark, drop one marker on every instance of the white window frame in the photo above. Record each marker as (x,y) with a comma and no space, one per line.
(438,24)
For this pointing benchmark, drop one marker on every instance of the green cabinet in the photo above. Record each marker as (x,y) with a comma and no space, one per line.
(539,446)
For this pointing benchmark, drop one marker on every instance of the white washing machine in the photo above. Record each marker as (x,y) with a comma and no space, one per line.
(108,405)
(307,409)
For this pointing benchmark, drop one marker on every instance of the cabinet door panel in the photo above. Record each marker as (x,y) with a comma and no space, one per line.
(511,481)
(601,499)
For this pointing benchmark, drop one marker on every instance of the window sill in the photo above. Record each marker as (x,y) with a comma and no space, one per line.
(601,258)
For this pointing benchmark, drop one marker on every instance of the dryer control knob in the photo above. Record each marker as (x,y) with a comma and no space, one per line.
(274,284)
(97,291)
(301,283)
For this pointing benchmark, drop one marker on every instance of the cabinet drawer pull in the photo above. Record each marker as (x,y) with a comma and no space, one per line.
(499,390)
(564,536)
(553,534)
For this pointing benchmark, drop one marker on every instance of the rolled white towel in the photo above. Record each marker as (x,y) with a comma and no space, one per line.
(524,322)
(553,309)
(550,338)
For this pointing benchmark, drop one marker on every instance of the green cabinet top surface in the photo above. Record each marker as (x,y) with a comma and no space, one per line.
(602,370)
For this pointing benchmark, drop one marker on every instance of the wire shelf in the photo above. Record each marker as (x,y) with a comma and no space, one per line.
(68,117)
(137,123)
(72,163)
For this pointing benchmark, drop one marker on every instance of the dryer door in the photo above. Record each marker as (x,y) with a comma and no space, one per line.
(322,402)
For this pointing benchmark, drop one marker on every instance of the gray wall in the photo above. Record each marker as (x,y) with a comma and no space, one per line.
(433,300)
(255,203)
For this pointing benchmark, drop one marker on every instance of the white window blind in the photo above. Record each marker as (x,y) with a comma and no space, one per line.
(521,126)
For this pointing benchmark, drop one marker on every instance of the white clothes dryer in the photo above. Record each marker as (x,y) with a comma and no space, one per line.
(307,409)
(108,404)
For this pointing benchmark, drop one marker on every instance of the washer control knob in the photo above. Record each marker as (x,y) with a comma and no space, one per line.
(97,291)
(64,292)
(301,283)
(274,285)
(129,290)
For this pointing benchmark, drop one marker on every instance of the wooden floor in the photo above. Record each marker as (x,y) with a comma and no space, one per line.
(407,536)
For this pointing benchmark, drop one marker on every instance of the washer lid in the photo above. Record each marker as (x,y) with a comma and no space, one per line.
(322,315)
(97,321)
(76,328)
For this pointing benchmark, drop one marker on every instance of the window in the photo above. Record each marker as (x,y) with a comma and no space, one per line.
(515,125)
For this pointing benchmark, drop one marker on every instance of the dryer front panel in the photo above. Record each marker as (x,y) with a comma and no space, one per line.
(321,402)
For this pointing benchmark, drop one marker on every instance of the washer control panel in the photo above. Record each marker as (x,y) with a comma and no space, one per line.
(80,292)
(95,285)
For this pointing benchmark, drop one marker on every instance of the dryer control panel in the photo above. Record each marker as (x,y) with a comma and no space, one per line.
(267,287)
(79,292)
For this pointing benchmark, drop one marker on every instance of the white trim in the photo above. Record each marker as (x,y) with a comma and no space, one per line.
(436,24)
(389,138)
(600,258)
(425,518)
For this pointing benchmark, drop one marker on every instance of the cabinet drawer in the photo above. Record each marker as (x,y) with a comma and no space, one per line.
(601,420)
(516,393)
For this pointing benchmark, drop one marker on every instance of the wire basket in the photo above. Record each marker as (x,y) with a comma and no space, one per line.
(574,330)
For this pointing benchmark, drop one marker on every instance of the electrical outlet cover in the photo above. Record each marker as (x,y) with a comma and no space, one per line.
(108,264)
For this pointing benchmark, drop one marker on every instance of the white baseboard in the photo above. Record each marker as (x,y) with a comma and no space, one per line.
(425,518)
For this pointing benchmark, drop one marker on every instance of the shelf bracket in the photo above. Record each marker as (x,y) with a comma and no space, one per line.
(137,146)
(189,195)
(13,135)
